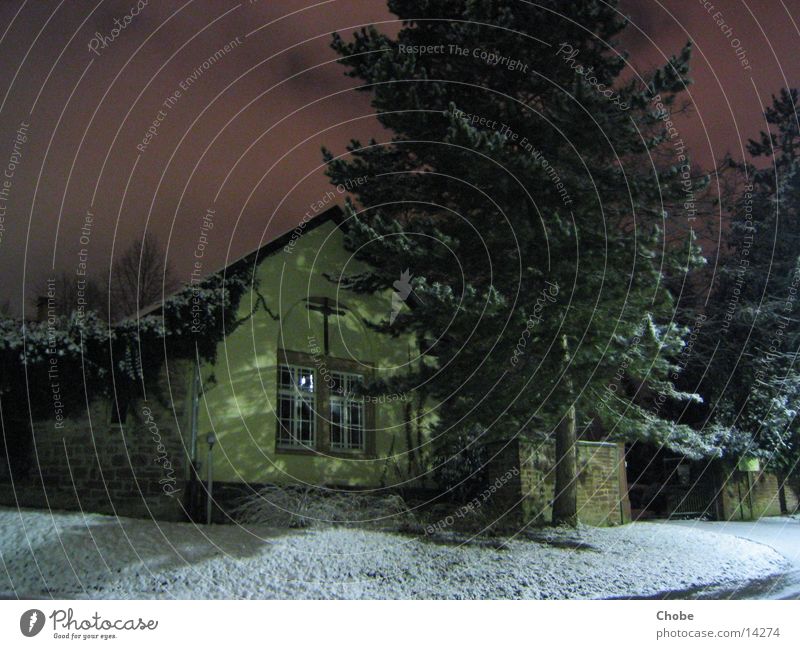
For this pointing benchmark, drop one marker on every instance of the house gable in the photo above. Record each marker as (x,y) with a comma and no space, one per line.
(301,318)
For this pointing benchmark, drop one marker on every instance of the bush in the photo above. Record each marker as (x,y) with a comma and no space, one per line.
(459,461)
(298,506)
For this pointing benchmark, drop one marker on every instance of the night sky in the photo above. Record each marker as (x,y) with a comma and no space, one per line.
(243,135)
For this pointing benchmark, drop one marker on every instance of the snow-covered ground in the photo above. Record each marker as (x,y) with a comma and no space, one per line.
(70,555)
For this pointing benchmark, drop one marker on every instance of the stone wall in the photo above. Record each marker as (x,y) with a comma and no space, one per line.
(527,498)
(747,496)
(138,468)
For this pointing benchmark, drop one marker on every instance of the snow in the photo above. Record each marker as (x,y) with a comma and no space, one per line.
(286,507)
(74,555)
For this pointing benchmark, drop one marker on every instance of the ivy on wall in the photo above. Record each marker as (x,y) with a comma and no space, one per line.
(51,369)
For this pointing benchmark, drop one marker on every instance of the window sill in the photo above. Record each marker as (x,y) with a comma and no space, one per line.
(352,455)
(292,450)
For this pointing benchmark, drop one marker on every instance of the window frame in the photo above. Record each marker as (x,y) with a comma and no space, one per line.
(345,404)
(322,404)
(297,397)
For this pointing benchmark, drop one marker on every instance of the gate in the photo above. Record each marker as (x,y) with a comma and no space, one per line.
(690,489)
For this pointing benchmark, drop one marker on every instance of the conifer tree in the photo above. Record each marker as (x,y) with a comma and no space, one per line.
(524,186)
(753,379)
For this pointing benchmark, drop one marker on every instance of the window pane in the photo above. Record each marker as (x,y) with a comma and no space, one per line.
(355,414)
(305,380)
(346,412)
(285,409)
(296,415)
(357,438)
(336,411)
(336,423)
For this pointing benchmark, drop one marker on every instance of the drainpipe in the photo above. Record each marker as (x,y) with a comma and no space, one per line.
(211,439)
(195,414)
(741,503)
(194,465)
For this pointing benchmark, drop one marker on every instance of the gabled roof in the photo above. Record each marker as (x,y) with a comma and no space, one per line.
(334,214)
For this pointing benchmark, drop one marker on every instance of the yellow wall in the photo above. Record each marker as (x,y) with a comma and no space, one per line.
(239,407)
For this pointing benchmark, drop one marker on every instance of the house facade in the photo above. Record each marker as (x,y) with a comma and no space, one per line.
(282,405)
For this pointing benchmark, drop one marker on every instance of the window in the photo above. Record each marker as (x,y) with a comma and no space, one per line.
(320,407)
(297,421)
(346,412)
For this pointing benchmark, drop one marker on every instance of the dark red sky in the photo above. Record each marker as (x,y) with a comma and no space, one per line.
(246,136)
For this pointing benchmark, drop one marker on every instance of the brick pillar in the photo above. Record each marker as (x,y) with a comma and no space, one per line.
(625,501)
(506,498)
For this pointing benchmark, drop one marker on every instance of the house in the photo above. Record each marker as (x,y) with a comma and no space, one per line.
(285,405)
(282,405)
(282,402)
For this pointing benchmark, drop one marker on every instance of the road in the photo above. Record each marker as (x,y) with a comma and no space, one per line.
(781,534)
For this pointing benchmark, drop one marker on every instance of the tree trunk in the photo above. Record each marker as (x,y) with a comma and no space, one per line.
(565,502)
(793,482)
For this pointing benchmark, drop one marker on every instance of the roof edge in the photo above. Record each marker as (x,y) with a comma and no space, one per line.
(334,213)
